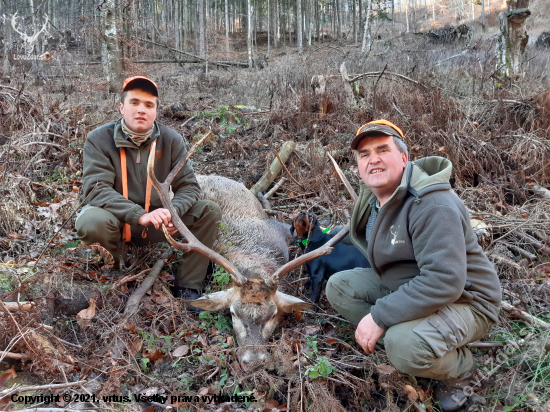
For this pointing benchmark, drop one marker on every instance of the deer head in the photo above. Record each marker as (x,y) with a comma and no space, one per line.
(28,40)
(255,304)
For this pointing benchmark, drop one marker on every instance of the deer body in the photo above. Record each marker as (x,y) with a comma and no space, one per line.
(256,246)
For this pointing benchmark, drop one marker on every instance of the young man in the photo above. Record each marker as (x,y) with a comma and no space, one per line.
(107,209)
(431,289)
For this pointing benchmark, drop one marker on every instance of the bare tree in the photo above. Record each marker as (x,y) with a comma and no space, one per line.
(513,37)
(299,26)
(366,33)
(111,57)
(202,23)
(227,25)
(249,32)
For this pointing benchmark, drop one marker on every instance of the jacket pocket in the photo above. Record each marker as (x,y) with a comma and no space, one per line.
(447,329)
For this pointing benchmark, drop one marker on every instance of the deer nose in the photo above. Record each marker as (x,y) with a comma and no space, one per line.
(252,360)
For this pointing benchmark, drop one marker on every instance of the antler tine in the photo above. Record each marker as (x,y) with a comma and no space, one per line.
(193,244)
(323,250)
(183,161)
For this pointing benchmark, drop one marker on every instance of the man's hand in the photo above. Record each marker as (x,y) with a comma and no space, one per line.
(368,333)
(156,218)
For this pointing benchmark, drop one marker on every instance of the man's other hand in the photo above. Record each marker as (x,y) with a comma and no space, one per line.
(368,333)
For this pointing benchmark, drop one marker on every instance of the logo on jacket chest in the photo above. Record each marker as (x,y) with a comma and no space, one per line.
(394,232)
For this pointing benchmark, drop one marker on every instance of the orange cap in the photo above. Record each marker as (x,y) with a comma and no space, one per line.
(142,79)
(376,127)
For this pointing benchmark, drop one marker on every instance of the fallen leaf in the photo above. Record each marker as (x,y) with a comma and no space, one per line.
(230,341)
(385,369)
(298,315)
(153,356)
(330,331)
(311,329)
(203,391)
(235,368)
(161,299)
(135,346)
(441,149)
(7,375)
(181,350)
(330,341)
(86,314)
(202,341)
(411,393)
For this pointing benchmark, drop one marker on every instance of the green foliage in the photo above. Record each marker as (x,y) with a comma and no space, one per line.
(218,320)
(312,343)
(221,276)
(143,364)
(322,368)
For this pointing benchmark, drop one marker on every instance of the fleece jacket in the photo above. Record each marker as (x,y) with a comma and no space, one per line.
(102,175)
(424,249)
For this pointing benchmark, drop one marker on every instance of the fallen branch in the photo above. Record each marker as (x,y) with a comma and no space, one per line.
(275,168)
(275,188)
(542,248)
(504,260)
(133,303)
(525,316)
(344,74)
(12,355)
(343,178)
(49,388)
(15,306)
(521,251)
(485,344)
(286,170)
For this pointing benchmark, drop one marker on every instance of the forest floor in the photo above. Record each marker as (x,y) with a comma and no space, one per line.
(449,102)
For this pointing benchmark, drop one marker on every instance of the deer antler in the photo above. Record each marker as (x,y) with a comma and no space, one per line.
(323,250)
(193,245)
(327,247)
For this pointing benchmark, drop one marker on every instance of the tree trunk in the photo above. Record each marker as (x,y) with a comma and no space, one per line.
(366,33)
(202,50)
(513,37)
(249,32)
(111,58)
(299,26)
(407,15)
(338,20)
(483,15)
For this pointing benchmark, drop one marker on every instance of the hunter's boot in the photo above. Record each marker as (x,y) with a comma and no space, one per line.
(450,396)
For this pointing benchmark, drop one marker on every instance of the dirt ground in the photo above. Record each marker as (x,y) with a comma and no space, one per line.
(446,98)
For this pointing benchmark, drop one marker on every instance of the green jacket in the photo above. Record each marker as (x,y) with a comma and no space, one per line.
(423,248)
(102,171)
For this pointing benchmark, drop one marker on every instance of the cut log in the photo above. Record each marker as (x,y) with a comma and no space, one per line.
(525,316)
(275,168)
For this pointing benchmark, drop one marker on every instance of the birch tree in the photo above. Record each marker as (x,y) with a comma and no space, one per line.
(366,33)
(111,58)
(249,32)
(299,26)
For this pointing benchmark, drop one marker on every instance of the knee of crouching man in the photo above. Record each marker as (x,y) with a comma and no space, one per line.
(214,210)
(408,352)
(335,291)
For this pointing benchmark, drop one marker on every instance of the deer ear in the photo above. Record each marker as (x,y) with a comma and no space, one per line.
(287,303)
(214,301)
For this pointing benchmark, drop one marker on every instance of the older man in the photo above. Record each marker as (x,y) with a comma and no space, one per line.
(431,289)
(122,206)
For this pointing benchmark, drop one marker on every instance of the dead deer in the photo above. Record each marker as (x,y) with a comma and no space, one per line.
(255,304)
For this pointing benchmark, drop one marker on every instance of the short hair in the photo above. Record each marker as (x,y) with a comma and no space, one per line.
(139,85)
(401,145)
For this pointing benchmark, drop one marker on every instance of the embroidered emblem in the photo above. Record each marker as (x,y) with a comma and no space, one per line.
(394,241)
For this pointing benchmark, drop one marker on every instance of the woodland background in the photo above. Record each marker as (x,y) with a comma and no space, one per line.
(258,74)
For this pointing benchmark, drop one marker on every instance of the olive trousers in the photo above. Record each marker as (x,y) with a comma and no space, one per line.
(97,225)
(432,347)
